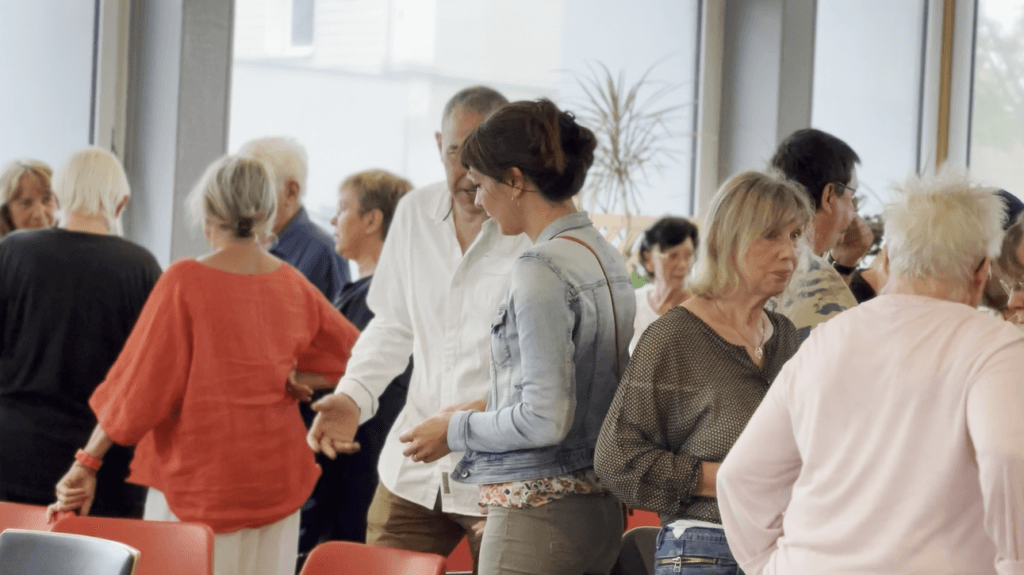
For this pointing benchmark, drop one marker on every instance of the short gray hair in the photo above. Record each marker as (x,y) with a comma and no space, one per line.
(235,193)
(10,184)
(479,99)
(748,206)
(941,227)
(378,190)
(284,157)
(92,181)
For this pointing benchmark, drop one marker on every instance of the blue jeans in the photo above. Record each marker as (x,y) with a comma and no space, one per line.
(697,551)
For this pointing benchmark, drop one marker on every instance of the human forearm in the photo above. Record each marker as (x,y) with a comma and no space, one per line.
(512,428)
(99,443)
(380,354)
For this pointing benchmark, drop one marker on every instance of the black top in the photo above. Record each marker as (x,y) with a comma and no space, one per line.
(685,398)
(860,287)
(68,301)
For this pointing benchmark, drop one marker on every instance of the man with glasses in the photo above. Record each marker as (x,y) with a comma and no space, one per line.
(825,166)
(1004,293)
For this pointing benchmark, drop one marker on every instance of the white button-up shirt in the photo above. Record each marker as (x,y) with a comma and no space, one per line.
(433,301)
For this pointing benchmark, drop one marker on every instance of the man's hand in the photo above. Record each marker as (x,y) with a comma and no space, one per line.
(334,429)
(854,244)
(428,441)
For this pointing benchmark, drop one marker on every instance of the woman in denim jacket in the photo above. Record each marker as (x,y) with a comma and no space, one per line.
(558,346)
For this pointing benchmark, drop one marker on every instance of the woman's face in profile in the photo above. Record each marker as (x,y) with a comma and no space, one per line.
(496,199)
(33,204)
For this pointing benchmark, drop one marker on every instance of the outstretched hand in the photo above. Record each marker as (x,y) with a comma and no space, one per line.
(75,491)
(334,428)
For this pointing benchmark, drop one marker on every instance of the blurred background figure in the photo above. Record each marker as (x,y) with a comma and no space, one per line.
(891,443)
(338,507)
(26,198)
(1004,291)
(69,297)
(667,250)
(298,241)
(825,167)
(202,385)
(702,368)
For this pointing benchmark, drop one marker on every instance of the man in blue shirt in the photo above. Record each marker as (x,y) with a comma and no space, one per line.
(300,242)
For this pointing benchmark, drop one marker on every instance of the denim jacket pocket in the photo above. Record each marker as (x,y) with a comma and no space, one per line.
(500,352)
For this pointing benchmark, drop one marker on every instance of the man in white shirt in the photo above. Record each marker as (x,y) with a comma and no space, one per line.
(893,441)
(442,274)
(825,166)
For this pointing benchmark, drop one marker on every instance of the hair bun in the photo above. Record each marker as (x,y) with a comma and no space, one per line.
(244,227)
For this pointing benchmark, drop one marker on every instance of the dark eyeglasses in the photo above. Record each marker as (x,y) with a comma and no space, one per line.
(853,196)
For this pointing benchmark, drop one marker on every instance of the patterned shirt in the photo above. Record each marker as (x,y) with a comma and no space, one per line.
(537,492)
(815,294)
(685,398)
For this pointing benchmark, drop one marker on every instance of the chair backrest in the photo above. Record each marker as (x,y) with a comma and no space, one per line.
(636,556)
(349,558)
(21,516)
(24,552)
(167,547)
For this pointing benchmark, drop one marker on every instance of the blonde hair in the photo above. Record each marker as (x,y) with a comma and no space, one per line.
(93,182)
(941,227)
(236,194)
(750,205)
(378,190)
(284,157)
(10,186)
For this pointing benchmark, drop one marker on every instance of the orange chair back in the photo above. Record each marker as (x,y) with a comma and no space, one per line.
(345,558)
(21,516)
(167,547)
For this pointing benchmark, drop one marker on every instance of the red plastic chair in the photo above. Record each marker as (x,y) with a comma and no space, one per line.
(21,516)
(461,560)
(167,547)
(343,557)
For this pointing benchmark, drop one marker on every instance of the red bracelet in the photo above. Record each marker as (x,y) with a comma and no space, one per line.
(88,461)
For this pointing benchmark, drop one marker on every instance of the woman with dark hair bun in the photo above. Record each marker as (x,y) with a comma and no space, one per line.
(558,347)
(667,252)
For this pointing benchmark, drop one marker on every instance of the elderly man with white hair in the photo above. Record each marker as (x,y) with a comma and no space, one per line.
(300,242)
(893,441)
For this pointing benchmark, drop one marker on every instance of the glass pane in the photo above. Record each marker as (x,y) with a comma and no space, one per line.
(867,87)
(997,115)
(46,56)
(370,91)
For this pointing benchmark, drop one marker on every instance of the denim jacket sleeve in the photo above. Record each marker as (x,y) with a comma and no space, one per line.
(543,318)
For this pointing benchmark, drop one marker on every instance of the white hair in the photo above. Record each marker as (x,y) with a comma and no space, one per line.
(284,157)
(941,227)
(93,182)
(235,193)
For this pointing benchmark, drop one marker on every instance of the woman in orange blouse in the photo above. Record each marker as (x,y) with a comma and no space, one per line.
(200,386)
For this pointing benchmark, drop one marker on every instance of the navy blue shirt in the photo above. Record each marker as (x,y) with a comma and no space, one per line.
(310,249)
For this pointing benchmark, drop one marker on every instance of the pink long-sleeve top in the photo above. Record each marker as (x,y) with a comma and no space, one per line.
(892,442)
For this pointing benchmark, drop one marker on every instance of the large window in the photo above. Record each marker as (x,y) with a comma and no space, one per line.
(868,65)
(369,90)
(46,55)
(997,119)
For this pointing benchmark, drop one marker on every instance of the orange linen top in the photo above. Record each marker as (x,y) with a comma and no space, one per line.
(200,388)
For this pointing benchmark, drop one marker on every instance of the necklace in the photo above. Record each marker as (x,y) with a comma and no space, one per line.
(758,344)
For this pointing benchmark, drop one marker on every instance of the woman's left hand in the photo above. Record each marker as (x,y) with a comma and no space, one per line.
(428,441)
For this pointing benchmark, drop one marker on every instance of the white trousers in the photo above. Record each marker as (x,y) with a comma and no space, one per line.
(267,550)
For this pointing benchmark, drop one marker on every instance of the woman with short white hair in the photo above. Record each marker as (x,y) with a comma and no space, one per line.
(700,370)
(202,389)
(893,441)
(69,297)
(26,200)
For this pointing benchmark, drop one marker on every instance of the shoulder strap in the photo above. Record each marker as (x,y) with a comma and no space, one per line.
(615,318)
